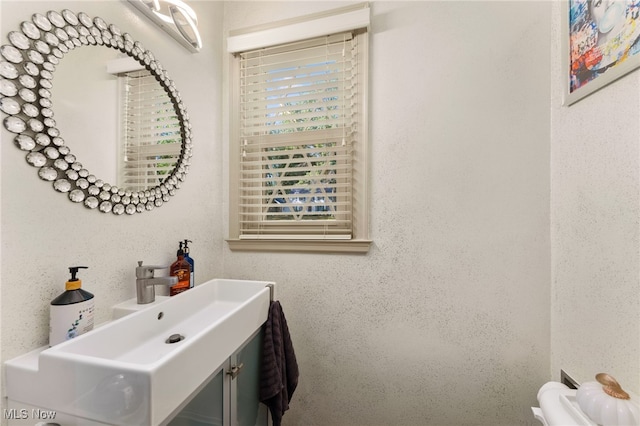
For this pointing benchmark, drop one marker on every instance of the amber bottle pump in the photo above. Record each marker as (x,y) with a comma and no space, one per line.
(181,269)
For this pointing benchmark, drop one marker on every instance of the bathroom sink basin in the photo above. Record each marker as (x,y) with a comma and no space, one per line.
(140,368)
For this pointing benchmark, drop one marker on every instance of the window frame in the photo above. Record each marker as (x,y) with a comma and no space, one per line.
(359,241)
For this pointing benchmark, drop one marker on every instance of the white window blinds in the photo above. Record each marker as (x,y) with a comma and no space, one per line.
(298,107)
(151,132)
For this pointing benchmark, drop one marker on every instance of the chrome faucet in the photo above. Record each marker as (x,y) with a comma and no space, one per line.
(146,282)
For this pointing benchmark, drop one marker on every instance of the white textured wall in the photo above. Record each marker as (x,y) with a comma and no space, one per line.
(595,199)
(446,320)
(43,233)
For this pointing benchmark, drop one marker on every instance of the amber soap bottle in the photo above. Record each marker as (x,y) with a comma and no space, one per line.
(181,269)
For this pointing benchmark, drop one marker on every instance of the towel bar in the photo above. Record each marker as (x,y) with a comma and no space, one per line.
(271,290)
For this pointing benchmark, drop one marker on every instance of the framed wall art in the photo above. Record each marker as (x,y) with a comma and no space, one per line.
(602,43)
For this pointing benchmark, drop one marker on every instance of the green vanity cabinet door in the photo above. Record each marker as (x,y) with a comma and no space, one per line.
(231,397)
(246,409)
(207,406)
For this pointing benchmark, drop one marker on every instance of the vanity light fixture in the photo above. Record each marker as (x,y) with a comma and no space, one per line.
(175,17)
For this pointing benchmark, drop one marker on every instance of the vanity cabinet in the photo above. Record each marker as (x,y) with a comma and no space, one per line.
(167,362)
(230,397)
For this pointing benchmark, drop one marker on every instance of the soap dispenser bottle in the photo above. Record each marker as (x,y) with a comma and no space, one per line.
(181,269)
(71,313)
(188,258)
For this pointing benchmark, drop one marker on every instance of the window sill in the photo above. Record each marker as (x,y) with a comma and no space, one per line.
(305,246)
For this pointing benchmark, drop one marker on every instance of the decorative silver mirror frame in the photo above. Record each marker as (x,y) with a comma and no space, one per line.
(26,72)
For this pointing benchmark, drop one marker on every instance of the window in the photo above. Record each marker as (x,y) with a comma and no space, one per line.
(298,144)
(151,132)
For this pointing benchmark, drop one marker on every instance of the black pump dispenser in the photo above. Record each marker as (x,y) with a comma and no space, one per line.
(73,293)
(71,313)
(73,270)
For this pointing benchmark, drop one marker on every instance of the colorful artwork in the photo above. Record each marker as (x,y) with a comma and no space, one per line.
(603,35)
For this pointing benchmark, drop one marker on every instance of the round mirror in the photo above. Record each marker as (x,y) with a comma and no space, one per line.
(27,67)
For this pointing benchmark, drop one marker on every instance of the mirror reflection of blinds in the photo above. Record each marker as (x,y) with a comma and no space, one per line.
(297,125)
(152,133)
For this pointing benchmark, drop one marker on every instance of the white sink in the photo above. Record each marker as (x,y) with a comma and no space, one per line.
(125,372)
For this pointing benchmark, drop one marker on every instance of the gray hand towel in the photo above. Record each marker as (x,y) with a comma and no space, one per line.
(279,369)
